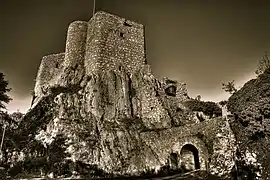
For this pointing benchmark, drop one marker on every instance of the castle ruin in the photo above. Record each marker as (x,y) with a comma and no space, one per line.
(135,122)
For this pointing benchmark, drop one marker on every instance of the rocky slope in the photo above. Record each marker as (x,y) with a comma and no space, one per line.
(114,123)
(100,118)
(251,107)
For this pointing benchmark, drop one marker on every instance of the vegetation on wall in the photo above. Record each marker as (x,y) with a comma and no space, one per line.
(208,143)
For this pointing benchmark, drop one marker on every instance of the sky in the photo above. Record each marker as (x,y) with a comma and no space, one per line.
(201,43)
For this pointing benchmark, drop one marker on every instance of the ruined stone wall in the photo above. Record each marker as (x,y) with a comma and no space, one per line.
(181,88)
(224,148)
(48,73)
(172,140)
(213,139)
(173,104)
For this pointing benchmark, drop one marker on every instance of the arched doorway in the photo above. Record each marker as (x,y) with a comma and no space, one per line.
(189,158)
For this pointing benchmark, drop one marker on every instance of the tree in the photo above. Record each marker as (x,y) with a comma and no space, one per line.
(223,102)
(16,118)
(229,87)
(4,98)
(4,117)
(207,107)
(263,64)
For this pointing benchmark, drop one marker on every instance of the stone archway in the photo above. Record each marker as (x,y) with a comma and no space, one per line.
(189,158)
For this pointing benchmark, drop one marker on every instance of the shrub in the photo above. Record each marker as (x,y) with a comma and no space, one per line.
(208,108)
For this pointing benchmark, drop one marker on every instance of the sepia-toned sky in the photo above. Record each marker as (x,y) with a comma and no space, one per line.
(202,43)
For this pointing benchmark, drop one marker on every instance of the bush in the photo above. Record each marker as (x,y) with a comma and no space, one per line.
(48,159)
(208,108)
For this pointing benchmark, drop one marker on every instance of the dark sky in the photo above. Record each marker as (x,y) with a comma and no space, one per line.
(202,43)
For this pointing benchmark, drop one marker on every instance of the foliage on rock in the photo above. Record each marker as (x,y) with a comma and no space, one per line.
(40,159)
(229,87)
(250,105)
(263,64)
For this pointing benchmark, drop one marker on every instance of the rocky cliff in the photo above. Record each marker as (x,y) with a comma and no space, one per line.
(121,124)
(250,106)
(103,116)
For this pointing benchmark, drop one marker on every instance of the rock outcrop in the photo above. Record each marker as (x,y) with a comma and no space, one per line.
(251,107)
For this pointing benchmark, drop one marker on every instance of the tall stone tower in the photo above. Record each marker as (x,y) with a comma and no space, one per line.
(106,42)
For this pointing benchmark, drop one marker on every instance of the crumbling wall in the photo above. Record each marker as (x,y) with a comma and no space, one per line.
(166,141)
(173,102)
(48,73)
(209,137)
(224,148)
(181,88)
